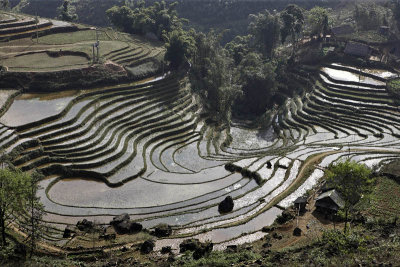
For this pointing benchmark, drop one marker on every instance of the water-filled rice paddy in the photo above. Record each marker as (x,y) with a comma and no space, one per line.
(141,149)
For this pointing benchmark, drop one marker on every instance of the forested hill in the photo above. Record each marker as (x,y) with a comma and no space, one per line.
(202,14)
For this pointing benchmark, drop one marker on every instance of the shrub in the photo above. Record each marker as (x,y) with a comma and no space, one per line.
(393,87)
(337,242)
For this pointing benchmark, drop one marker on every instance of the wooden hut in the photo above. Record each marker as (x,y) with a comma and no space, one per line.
(329,202)
(357,49)
(300,204)
(342,30)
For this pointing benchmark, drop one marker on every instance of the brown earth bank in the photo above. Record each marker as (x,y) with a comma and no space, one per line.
(95,75)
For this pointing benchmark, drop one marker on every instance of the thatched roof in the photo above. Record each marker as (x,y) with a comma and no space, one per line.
(357,49)
(330,199)
(342,30)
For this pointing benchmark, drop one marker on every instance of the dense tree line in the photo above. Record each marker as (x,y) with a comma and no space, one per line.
(67,12)
(244,77)
(369,16)
(135,17)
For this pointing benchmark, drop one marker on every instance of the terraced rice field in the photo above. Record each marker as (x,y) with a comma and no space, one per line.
(142,149)
(62,46)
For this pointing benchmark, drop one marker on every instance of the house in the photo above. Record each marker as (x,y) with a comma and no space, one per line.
(329,202)
(342,30)
(384,30)
(357,49)
(300,204)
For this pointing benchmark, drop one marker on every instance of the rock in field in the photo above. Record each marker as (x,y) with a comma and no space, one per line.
(147,246)
(226,205)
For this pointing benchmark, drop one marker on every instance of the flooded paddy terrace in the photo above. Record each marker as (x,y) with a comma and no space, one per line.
(141,149)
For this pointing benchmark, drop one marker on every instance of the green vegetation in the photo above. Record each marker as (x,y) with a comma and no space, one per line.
(218,259)
(293,20)
(385,199)
(17,196)
(352,180)
(393,87)
(265,29)
(67,12)
(396,12)
(318,21)
(213,76)
(74,37)
(4,4)
(180,47)
(158,19)
(369,16)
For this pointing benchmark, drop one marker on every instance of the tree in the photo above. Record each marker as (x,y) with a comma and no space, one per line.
(213,76)
(265,27)
(238,48)
(293,20)
(67,12)
(4,4)
(351,180)
(318,21)
(258,78)
(32,223)
(396,12)
(13,185)
(134,17)
(368,16)
(180,46)
(121,17)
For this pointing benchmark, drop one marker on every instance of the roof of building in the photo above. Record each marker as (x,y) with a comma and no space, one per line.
(342,30)
(300,200)
(334,196)
(357,49)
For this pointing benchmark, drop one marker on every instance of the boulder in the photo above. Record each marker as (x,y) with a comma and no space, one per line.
(269,165)
(165,250)
(147,246)
(108,236)
(268,229)
(85,225)
(277,236)
(231,248)
(226,205)
(297,231)
(120,218)
(189,244)
(162,230)
(127,227)
(69,231)
(202,250)
(266,245)
(284,217)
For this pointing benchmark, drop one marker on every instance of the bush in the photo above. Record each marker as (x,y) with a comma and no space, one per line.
(393,87)
(337,242)
(285,217)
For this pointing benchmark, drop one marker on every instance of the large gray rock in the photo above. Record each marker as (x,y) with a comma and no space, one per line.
(123,225)
(226,205)
(162,230)
(128,227)
(69,231)
(147,246)
(120,218)
(85,225)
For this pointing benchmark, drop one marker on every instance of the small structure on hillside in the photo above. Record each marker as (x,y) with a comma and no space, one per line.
(384,30)
(300,204)
(342,30)
(357,49)
(329,202)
